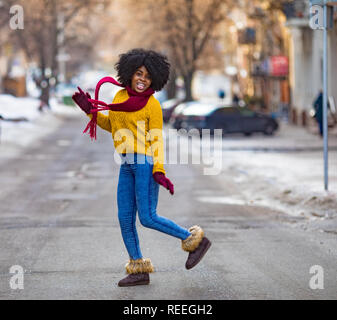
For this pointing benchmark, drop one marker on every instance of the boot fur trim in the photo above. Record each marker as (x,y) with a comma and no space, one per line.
(139,266)
(193,241)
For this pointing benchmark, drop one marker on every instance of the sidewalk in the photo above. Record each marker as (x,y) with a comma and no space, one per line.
(287,138)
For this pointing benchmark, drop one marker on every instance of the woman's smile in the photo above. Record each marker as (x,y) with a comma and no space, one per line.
(141,80)
(140,86)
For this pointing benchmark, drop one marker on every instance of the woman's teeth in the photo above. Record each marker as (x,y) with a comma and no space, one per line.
(140,86)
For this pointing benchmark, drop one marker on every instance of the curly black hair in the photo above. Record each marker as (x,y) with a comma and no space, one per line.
(156,64)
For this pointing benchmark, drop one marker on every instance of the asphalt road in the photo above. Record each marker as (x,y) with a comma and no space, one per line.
(58,220)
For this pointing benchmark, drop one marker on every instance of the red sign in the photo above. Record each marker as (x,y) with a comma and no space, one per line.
(279,66)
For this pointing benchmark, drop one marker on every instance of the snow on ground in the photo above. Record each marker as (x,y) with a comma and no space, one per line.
(14,136)
(283,172)
(290,182)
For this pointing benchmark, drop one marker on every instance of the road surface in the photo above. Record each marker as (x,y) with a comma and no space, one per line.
(58,221)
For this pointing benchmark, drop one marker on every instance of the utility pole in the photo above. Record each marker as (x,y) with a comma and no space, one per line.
(327,6)
(325,98)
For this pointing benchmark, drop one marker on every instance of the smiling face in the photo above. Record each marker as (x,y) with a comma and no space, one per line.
(141,80)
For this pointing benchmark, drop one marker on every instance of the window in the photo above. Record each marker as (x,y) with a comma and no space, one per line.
(226,111)
(247,112)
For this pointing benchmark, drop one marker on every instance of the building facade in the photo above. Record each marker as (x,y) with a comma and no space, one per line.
(306,61)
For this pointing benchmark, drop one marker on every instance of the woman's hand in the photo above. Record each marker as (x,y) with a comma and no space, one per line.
(81,99)
(160,178)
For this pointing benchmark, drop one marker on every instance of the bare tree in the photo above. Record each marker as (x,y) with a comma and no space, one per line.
(183,29)
(190,25)
(45,33)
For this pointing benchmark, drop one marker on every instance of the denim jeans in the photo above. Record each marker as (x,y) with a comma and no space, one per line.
(138,191)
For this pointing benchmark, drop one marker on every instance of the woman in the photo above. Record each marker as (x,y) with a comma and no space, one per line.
(135,121)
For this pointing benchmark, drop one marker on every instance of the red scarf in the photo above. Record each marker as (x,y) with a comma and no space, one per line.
(135,102)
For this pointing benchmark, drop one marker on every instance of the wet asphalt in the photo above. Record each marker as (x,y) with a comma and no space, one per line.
(58,221)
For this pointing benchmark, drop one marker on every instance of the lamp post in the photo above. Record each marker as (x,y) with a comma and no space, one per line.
(325,99)
(325,4)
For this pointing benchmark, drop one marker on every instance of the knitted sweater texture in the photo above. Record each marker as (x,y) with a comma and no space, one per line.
(136,132)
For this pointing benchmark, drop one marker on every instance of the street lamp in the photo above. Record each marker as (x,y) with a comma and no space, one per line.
(325,4)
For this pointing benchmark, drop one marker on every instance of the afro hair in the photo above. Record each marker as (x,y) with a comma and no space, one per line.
(156,64)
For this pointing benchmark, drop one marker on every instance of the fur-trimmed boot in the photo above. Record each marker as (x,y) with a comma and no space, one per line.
(197,245)
(138,273)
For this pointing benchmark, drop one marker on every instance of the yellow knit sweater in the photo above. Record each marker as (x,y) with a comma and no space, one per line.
(136,132)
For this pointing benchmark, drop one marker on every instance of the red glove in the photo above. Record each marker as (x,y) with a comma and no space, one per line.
(160,178)
(81,99)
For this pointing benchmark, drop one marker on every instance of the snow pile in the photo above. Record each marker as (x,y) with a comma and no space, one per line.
(33,125)
(12,107)
(292,183)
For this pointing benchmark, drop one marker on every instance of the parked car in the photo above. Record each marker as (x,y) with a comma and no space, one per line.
(168,107)
(177,116)
(231,119)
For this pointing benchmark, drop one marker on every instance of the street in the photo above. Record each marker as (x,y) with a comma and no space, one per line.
(58,220)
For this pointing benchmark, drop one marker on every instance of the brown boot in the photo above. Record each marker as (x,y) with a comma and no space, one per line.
(135,279)
(197,245)
(195,256)
(138,271)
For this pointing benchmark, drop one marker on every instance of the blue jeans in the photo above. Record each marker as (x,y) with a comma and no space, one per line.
(138,191)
